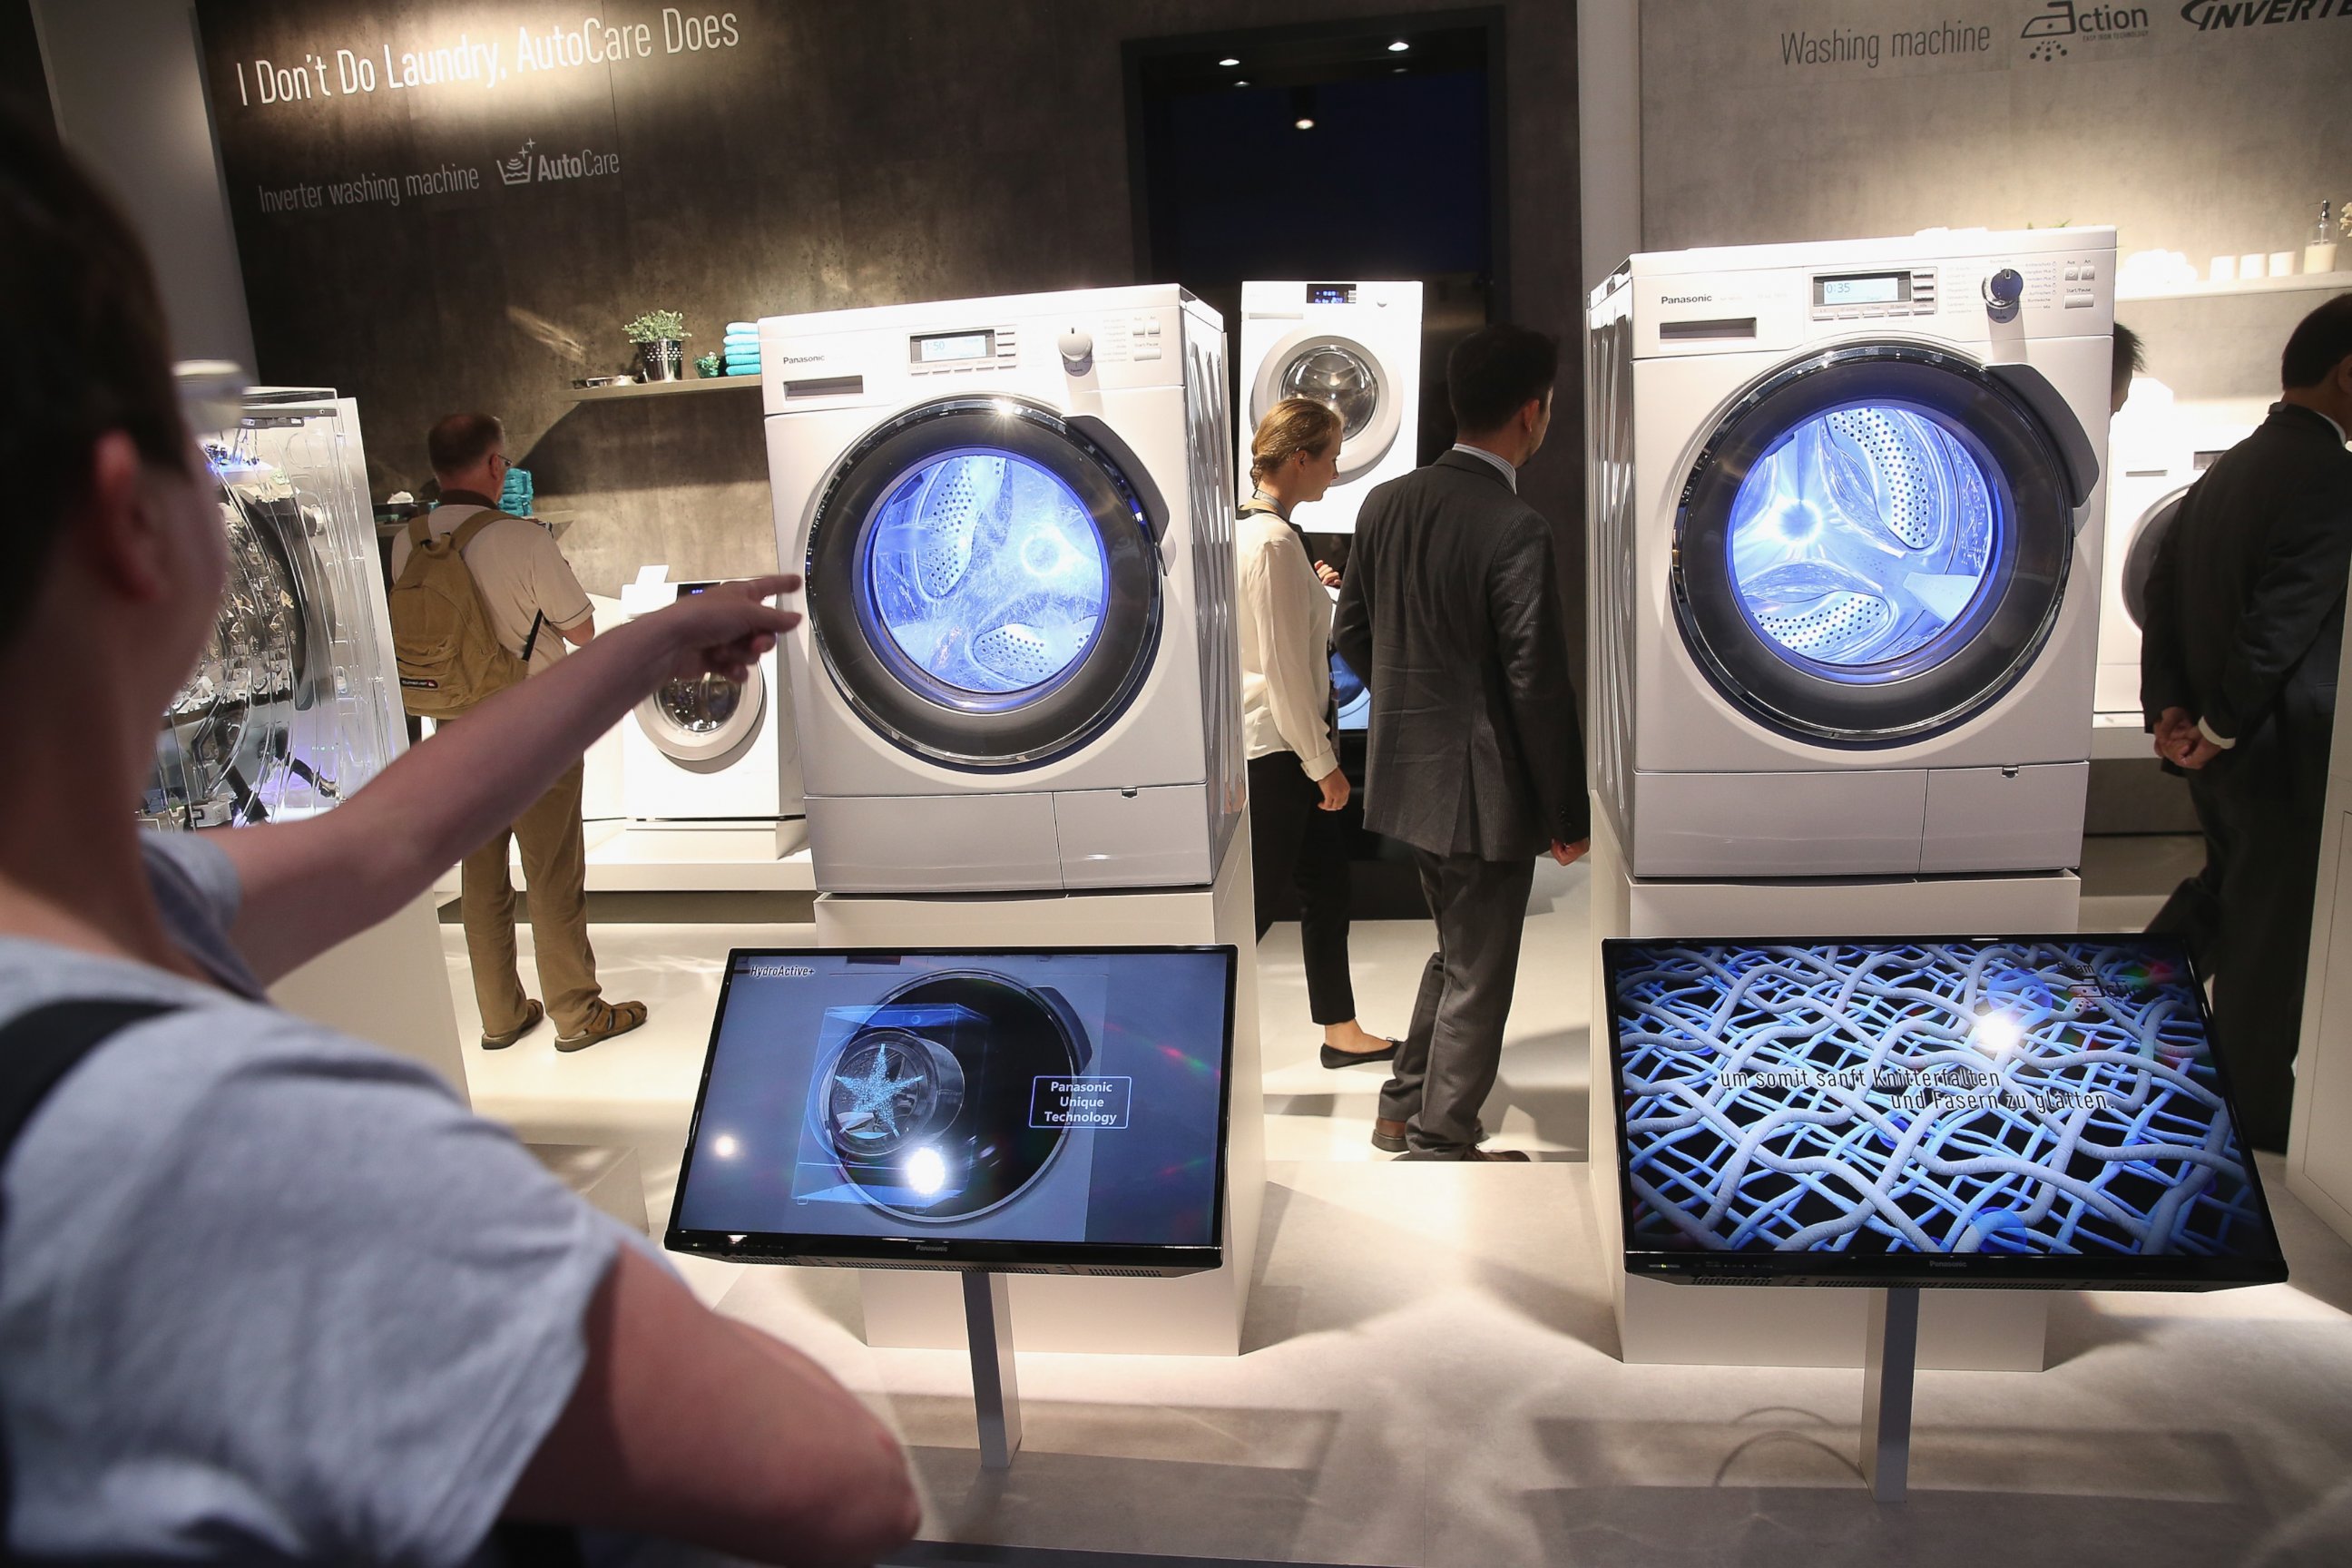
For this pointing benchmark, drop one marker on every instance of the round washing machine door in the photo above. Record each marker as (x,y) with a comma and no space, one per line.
(2139,554)
(703,723)
(1331,367)
(1872,545)
(983,587)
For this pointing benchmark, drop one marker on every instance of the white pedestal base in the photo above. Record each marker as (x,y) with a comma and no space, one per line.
(389,985)
(1193,1314)
(1737,1325)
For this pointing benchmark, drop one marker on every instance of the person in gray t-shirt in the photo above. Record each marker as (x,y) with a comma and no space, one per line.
(266,1292)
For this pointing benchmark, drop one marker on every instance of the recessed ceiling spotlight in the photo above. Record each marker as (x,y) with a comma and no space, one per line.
(1304,124)
(1229,60)
(1399,46)
(1243,82)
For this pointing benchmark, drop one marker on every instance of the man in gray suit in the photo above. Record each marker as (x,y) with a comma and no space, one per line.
(1451,607)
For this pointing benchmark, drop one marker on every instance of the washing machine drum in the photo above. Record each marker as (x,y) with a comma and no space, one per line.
(1336,370)
(982,583)
(1872,545)
(926,1106)
(704,721)
(2140,555)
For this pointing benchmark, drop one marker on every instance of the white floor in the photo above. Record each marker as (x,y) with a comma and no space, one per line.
(1430,1373)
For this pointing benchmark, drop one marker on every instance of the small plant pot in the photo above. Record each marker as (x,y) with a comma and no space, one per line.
(663,359)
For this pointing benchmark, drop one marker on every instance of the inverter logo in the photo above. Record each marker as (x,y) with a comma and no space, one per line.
(2222,16)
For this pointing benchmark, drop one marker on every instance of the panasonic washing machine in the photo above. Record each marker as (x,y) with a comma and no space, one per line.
(1846,511)
(2157,451)
(707,750)
(1019,668)
(1356,346)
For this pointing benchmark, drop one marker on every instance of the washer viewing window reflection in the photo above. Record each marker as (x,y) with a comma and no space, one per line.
(1862,535)
(1333,375)
(987,573)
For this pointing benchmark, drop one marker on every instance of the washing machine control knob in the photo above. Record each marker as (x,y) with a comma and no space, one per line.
(1077,347)
(2002,290)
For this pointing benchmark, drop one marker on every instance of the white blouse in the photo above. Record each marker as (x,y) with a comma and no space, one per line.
(1285,632)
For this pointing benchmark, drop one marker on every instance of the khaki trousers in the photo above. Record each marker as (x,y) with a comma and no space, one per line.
(555,867)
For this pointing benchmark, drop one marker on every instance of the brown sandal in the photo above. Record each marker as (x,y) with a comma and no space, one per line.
(533,1015)
(616,1018)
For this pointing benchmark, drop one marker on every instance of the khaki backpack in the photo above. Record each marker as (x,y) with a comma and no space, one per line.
(449,657)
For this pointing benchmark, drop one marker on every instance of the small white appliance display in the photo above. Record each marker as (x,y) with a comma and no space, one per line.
(1356,346)
(2156,450)
(1846,505)
(1019,668)
(707,750)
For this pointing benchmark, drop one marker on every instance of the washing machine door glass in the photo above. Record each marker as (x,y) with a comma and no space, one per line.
(1873,545)
(982,583)
(2139,553)
(1342,373)
(705,718)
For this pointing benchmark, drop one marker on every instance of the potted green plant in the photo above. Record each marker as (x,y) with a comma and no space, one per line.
(709,366)
(660,337)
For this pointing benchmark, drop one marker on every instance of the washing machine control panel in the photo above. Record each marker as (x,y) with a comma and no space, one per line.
(1857,296)
(964,349)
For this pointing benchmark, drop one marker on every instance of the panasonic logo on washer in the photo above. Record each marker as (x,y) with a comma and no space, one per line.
(1685,298)
(803,359)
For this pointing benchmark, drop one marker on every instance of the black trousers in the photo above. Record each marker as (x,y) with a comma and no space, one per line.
(1293,840)
(1446,1065)
(2247,916)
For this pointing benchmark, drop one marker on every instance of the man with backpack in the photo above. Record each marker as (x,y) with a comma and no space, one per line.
(522,594)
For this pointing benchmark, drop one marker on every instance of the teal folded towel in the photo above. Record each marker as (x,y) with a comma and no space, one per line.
(732,341)
(742,370)
(733,327)
(742,356)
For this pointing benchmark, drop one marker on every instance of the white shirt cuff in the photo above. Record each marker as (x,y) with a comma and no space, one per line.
(2220,742)
(1318,765)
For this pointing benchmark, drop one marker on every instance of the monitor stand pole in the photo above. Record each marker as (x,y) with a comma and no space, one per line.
(996,1393)
(1890,1356)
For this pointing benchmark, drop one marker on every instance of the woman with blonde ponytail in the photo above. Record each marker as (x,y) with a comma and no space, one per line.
(1294,783)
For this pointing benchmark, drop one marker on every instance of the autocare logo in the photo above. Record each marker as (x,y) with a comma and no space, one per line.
(531,166)
(2063,21)
(2226,15)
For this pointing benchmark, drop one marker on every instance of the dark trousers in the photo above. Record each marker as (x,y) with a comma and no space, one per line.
(1446,1067)
(2250,912)
(1293,840)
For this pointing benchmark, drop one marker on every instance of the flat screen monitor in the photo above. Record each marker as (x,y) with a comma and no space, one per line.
(2015,1111)
(1045,1110)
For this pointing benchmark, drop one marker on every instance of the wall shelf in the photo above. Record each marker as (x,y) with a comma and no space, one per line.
(662,388)
(2315,281)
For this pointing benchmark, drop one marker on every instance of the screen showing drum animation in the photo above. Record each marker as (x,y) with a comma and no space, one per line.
(2043,1110)
(1060,1108)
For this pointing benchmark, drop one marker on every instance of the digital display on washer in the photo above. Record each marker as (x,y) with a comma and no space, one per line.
(2035,1111)
(1873,289)
(1051,1106)
(1864,534)
(944,348)
(1330,293)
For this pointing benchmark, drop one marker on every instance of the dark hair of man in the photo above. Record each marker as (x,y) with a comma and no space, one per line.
(2131,358)
(89,351)
(2319,343)
(1496,372)
(458,442)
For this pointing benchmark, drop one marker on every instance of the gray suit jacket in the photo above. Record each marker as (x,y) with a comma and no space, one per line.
(1450,611)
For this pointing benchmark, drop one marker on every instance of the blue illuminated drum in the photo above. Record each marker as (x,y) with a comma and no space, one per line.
(982,583)
(1873,545)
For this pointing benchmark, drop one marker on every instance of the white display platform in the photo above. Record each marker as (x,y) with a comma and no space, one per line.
(636,857)
(1194,1314)
(388,984)
(1737,1325)
(2318,1154)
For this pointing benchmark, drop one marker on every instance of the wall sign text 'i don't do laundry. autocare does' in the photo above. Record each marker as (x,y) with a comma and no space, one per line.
(340,71)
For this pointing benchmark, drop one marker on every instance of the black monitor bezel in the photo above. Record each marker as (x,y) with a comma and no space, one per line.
(951,1253)
(1974,1271)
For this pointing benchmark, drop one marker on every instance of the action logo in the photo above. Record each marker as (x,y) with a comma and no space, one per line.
(2062,19)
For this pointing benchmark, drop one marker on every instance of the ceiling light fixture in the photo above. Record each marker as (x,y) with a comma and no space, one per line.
(1304,124)
(1229,60)
(1399,46)
(1302,107)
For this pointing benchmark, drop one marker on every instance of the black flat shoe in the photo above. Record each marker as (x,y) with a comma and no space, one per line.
(1335,1059)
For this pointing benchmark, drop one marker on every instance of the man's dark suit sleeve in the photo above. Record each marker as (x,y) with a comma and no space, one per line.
(2301,583)
(2163,676)
(1351,620)
(1523,598)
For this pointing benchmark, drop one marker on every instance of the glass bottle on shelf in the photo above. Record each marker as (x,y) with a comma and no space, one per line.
(2320,253)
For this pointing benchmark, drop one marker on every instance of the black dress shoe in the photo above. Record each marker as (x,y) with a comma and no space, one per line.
(1336,1059)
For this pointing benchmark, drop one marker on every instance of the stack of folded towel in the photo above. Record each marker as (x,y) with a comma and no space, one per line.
(742,348)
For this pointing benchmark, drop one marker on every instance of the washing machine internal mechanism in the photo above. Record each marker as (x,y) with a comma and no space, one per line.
(289,708)
(1847,504)
(920,1106)
(707,748)
(1356,346)
(1019,668)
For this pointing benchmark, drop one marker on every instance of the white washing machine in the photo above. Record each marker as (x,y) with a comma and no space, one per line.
(1847,506)
(709,750)
(1019,668)
(2156,450)
(1356,346)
